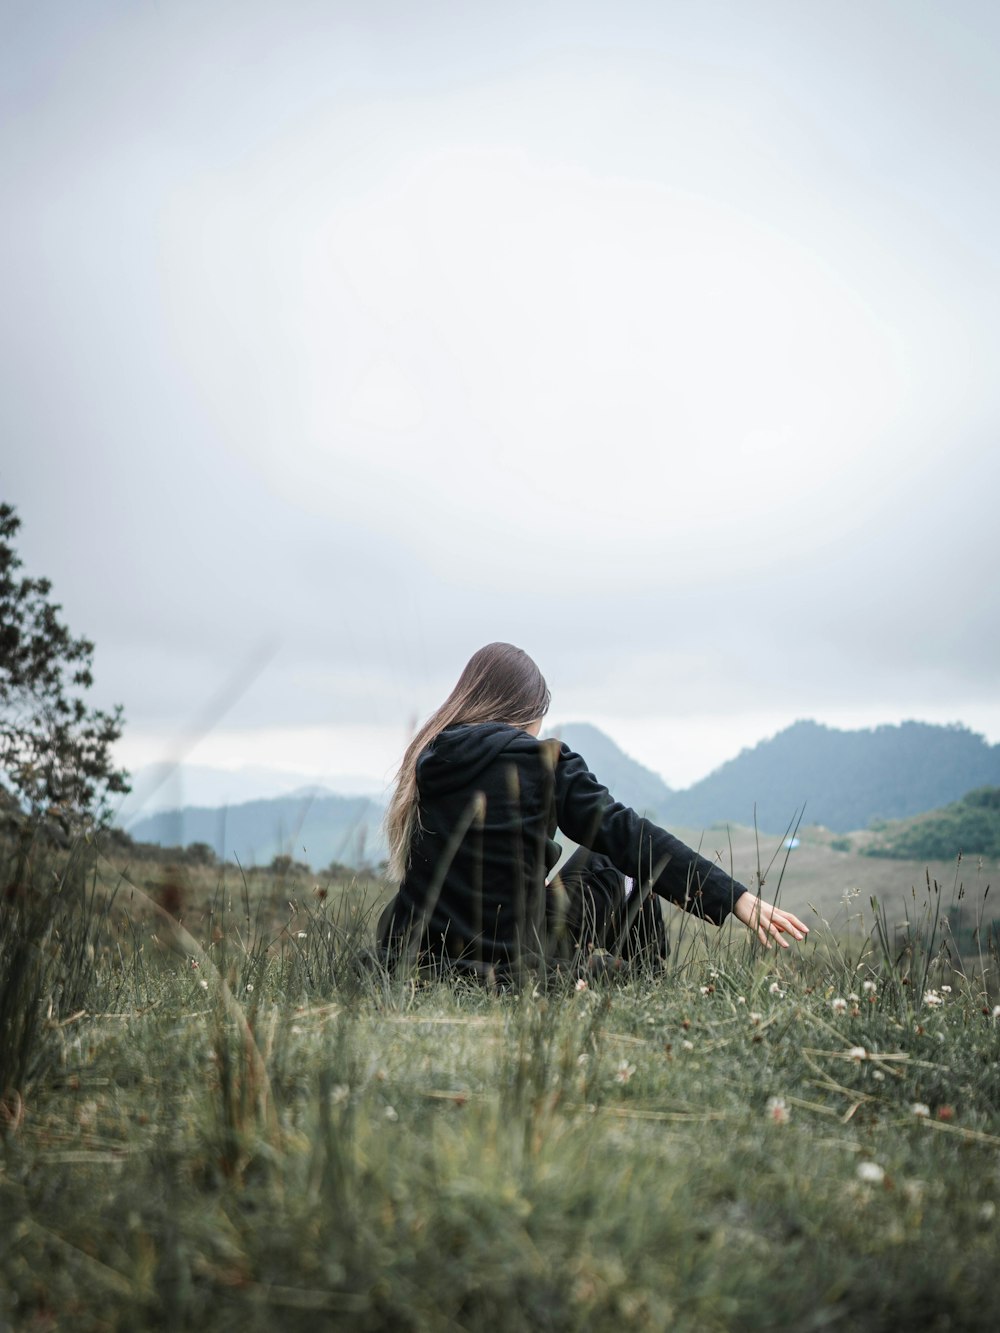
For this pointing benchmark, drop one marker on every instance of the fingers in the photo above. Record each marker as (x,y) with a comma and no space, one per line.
(772,929)
(792,921)
(768,922)
(785,921)
(776,930)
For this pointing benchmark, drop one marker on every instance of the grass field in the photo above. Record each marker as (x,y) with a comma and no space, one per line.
(816,881)
(234,1123)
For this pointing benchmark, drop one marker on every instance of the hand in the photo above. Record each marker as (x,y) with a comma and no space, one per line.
(768,920)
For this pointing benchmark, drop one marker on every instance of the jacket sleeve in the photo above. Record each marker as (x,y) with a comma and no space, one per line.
(588,813)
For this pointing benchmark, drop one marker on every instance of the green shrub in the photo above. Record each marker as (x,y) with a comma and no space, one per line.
(970,827)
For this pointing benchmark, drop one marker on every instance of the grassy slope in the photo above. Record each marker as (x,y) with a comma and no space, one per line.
(820,883)
(273,1138)
(813,876)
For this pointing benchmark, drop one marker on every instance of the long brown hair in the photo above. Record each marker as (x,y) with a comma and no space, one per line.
(500,683)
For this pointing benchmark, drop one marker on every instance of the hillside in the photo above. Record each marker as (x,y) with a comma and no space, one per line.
(970,826)
(317,828)
(845,779)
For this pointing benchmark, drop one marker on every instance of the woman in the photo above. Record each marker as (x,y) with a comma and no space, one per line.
(470,828)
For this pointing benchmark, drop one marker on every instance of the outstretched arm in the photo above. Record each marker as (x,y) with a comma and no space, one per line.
(587,813)
(768,920)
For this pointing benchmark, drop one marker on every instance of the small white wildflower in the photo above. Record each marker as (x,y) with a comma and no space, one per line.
(713,974)
(741,999)
(777,1110)
(203,984)
(996,1011)
(920,1109)
(249,987)
(624,1071)
(839,1005)
(871,1173)
(300,935)
(705,990)
(869,987)
(987,1211)
(775,989)
(854,999)
(878,1075)
(755,1018)
(295,1030)
(339,1093)
(946,990)
(581,985)
(858,1053)
(932,998)
(687,1045)
(914,1191)
(391,1113)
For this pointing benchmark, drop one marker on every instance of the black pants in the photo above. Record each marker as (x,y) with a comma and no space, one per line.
(588,909)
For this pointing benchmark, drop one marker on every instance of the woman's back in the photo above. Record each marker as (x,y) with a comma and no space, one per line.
(483,844)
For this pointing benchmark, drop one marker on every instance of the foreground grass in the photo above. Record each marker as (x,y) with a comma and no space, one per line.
(253,1129)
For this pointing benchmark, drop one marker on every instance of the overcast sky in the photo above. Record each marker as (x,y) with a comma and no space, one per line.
(660,339)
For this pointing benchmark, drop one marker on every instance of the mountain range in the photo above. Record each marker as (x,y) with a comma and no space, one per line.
(842,780)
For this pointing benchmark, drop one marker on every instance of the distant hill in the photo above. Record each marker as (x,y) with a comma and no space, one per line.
(970,826)
(316,828)
(627,780)
(845,779)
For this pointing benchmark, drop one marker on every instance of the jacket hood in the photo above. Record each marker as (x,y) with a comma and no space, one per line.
(457,755)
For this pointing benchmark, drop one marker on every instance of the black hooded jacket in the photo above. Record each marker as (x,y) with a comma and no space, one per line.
(490,799)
